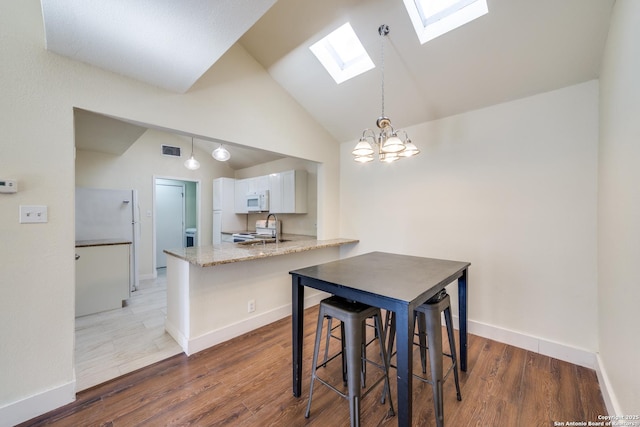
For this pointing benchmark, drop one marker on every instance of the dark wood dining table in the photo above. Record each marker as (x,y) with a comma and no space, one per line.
(394,282)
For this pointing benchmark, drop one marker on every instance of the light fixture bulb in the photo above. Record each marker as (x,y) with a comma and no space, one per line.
(389,157)
(364,159)
(221,154)
(191,163)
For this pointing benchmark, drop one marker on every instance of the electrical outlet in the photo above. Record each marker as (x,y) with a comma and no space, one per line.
(251,306)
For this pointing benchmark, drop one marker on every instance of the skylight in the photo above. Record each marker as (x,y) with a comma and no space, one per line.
(432,18)
(342,54)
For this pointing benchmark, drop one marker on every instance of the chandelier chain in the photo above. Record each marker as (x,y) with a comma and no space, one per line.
(382,69)
(383,31)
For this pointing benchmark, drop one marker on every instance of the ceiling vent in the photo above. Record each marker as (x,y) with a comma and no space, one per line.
(168,150)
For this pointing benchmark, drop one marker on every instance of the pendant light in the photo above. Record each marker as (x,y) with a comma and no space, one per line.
(221,154)
(191,163)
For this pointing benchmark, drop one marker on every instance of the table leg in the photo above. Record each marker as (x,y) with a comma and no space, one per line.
(404,348)
(462,309)
(297,317)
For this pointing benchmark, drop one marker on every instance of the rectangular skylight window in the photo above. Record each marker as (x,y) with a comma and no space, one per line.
(342,54)
(432,18)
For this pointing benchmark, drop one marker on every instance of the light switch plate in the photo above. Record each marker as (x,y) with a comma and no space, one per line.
(33,214)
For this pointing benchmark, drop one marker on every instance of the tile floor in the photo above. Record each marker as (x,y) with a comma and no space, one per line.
(116,342)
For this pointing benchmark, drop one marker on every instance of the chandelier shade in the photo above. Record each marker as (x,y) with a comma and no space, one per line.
(393,144)
(363,148)
(409,149)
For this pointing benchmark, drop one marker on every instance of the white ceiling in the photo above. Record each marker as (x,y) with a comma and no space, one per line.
(165,43)
(520,48)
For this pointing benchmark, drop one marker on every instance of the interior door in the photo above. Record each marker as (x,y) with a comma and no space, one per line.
(169,220)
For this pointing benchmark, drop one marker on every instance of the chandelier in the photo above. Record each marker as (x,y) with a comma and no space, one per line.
(390,146)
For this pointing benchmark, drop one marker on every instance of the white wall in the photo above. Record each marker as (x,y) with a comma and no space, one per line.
(39,91)
(619,209)
(511,189)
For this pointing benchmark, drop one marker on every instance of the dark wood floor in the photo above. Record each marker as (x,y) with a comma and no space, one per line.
(247,382)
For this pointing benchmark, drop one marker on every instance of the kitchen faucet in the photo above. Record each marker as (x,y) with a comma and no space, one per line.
(274,233)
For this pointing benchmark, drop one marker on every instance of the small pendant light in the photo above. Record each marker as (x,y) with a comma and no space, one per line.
(221,154)
(191,163)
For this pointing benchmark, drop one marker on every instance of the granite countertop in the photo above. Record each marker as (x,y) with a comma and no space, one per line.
(101,242)
(226,253)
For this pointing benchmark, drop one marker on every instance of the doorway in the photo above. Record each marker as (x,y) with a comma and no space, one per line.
(176,211)
(170,208)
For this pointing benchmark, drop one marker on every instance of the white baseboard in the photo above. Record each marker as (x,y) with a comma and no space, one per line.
(202,342)
(610,400)
(25,409)
(564,352)
(556,350)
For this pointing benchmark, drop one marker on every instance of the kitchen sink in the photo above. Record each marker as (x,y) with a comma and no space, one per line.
(256,242)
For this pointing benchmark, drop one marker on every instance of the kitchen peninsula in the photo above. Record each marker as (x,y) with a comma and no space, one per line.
(215,293)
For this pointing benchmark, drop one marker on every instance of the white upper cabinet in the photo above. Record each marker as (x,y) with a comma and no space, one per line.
(223,194)
(256,184)
(288,192)
(241,190)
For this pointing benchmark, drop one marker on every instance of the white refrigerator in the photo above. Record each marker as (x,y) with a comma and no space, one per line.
(110,214)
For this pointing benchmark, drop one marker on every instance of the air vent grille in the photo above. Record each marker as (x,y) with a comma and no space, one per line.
(168,150)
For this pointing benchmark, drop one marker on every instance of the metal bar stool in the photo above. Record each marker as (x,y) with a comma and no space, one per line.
(353,316)
(427,316)
(330,334)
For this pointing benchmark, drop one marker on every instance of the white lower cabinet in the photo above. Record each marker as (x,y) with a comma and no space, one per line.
(102,278)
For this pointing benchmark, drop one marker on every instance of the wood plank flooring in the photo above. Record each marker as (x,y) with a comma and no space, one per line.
(247,382)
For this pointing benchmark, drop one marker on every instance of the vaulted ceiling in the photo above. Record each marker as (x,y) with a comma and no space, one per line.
(518,49)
